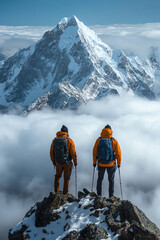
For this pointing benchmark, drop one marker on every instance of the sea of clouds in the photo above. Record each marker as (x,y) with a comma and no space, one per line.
(132,39)
(27,174)
(14,38)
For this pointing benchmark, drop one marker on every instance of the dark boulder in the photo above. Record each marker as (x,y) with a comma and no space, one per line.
(86,191)
(44,213)
(140,223)
(140,231)
(81,195)
(101,202)
(19,234)
(73,235)
(93,232)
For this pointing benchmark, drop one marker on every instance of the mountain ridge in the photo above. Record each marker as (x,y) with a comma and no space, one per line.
(71,56)
(63,217)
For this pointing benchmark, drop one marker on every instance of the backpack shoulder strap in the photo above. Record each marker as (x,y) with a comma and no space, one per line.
(107,138)
(67,138)
(61,138)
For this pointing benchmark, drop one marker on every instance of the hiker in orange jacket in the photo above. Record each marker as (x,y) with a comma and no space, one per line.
(110,164)
(62,151)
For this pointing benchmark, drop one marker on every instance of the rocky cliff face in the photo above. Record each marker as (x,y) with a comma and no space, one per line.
(70,65)
(90,216)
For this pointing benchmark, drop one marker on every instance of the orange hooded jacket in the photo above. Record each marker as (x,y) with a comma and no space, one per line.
(107,133)
(70,147)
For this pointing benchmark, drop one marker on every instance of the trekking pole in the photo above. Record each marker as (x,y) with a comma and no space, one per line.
(93,179)
(120,183)
(76,181)
(53,178)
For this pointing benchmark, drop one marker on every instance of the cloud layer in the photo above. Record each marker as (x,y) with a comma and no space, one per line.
(133,39)
(12,39)
(26,172)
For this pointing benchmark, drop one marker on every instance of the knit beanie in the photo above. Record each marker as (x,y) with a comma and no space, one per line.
(108,126)
(64,129)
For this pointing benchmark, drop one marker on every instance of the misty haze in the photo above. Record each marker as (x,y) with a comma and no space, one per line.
(27,174)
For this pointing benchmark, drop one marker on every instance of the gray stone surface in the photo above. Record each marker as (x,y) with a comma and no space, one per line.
(120,217)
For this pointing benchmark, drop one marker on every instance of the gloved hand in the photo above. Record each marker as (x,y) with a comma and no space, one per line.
(94,165)
(118,166)
(75,164)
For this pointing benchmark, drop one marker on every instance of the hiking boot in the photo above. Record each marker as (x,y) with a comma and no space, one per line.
(66,193)
(112,197)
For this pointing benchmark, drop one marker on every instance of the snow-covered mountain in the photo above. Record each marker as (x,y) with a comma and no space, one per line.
(63,217)
(71,65)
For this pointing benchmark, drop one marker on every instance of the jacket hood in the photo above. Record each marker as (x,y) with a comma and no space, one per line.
(106,133)
(62,134)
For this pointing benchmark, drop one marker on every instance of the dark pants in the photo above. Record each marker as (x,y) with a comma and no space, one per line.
(111,173)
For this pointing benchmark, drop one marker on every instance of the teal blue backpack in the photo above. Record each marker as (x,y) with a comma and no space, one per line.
(105,152)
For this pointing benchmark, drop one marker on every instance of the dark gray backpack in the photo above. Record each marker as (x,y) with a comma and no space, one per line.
(60,151)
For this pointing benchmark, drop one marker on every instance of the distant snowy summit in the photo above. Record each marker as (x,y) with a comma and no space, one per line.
(70,65)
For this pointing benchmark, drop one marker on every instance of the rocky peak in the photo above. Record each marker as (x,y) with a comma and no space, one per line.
(90,216)
(66,23)
(72,21)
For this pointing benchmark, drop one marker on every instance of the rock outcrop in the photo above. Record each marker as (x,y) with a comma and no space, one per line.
(90,217)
